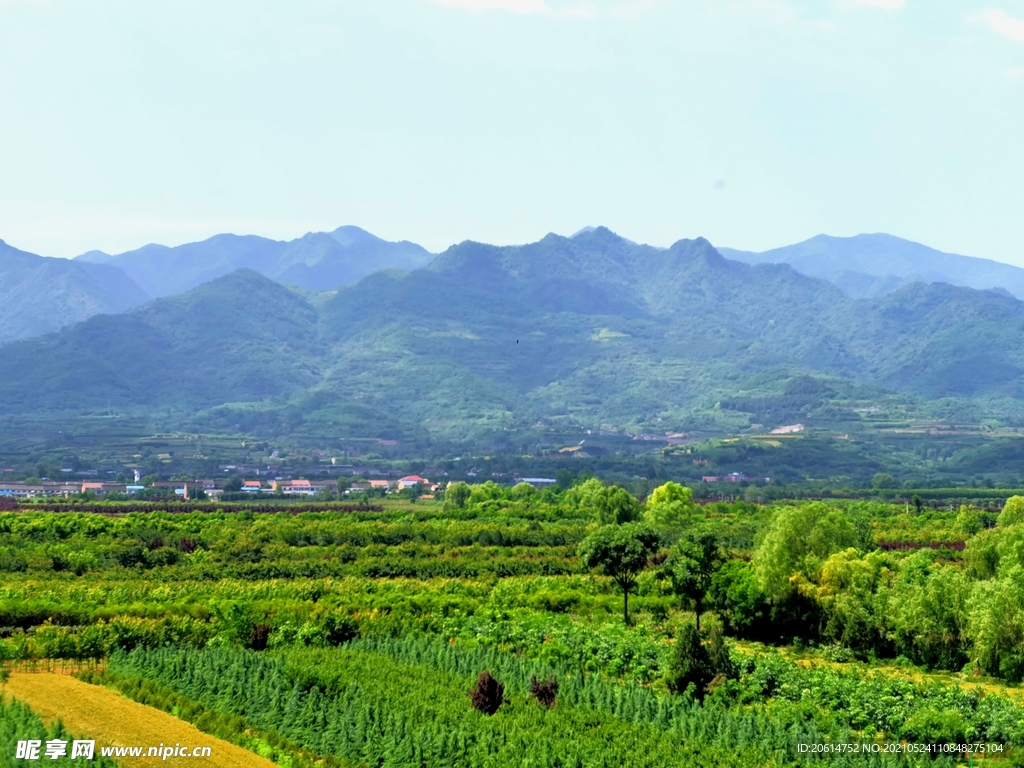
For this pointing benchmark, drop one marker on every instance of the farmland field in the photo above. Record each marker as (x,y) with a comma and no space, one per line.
(113,720)
(353,637)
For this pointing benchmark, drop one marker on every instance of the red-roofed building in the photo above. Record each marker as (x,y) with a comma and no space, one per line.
(410,481)
(298,487)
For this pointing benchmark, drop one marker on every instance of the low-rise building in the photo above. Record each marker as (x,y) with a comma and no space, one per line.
(102,489)
(411,481)
(20,490)
(300,487)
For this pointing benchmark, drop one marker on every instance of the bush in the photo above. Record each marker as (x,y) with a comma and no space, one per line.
(488,695)
(691,664)
(718,653)
(259,637)
(544,691)
(340,630)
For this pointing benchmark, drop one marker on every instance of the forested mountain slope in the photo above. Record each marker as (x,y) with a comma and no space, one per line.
(592,329)
(241,337)
(317,261)
(39,295)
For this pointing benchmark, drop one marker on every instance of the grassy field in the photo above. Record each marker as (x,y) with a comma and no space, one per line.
(113,720)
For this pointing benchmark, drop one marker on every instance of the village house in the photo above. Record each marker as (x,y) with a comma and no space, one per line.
(102,489)
(300,487)
(293,487)
(20,490)
(410,481)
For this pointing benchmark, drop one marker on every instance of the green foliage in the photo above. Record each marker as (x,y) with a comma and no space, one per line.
(620,552)
(691,670)
(797,542)
(883,480)
(456,495)
(381,701)
(885,704)
(392,612)
(691,567)
(669,506)
(1013,512)
(996,625)
(605,505)
(969,521)
(718,654)
(616,506)
(19,723)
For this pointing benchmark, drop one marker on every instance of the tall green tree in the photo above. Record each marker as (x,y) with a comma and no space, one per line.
(621,552)
(669,506)
(456,495)
(616,506)
(1013,512)
(691,566)
(798,541)
(690,665)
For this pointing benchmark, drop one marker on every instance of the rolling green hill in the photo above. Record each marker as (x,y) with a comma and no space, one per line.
(241,337)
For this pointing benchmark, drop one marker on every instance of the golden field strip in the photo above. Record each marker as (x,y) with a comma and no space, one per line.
(94,712)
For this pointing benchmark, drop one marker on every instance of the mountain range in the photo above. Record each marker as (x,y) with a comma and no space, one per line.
(317,261)
(39,295)
(870,265)
(593,330)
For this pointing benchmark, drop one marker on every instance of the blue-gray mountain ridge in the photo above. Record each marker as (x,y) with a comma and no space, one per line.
(317,261)
(870,265)
(39,295)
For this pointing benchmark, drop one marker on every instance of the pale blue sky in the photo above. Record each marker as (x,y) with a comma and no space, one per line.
(754,123)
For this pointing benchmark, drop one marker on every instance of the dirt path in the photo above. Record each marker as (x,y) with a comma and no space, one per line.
(113,720)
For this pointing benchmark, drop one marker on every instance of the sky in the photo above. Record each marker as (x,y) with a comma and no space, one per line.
(754,123)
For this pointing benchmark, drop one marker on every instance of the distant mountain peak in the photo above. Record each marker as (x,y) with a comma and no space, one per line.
(600,234)
(94,256)
(40,294)
(349,234)
(317,261)
(875,264)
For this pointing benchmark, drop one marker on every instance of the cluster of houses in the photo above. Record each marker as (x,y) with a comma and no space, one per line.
(734,477)
(57,488)
(213,488)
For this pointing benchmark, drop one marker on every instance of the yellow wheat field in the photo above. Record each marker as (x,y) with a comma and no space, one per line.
(99,713)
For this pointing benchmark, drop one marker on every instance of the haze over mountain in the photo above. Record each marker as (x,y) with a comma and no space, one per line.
(591,330)
(317,261)
(870,265)
(39,295)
